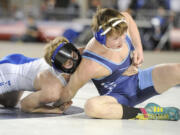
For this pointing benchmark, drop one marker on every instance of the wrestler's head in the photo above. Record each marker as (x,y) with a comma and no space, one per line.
(108,25)
(62,55)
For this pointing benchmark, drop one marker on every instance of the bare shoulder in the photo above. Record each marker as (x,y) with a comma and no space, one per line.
(43,75)
(92,69)
(86,66)
(46,79)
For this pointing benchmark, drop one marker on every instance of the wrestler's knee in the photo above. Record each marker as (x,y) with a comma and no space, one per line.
(92,108)
(10,99)
(176,69)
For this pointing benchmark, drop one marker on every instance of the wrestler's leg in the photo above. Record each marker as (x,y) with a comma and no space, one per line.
(103,107)
(166,76)
(107,107)
(10,99)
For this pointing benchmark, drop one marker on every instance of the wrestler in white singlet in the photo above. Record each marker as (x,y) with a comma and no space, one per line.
(18,72)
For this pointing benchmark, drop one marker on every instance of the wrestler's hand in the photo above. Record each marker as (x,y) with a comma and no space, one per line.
(58,103)
(65,106)
(132,70)
(137,58)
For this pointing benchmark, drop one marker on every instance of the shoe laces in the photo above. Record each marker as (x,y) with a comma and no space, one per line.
(158,113)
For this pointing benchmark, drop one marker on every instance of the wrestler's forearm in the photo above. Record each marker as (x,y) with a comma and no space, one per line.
(71,89)
(79,78)
(68,94)
(36,107)
(134,33)
(36,103)
(45,109)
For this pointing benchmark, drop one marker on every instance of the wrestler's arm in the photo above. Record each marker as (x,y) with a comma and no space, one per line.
(49,91)
(85,72)
(73,78)
(138,57)
(36,103)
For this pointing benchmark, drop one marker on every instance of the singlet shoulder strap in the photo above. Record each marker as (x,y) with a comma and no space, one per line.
(128,40)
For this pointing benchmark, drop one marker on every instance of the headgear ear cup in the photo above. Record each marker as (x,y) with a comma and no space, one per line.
(100,38)
(100,35)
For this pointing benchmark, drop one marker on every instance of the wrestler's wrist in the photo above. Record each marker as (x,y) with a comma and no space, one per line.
(66,96)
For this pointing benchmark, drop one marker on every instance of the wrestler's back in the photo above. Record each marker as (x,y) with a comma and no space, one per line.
(18,72)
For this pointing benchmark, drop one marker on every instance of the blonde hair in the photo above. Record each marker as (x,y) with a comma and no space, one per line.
(102,17)
(51,47)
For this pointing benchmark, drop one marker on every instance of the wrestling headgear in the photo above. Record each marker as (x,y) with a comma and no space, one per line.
(100,35)
(63,53)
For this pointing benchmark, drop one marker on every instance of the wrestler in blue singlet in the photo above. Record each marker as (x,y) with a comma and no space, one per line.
(128,90)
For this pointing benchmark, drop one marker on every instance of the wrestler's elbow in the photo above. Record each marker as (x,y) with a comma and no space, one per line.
(25,107)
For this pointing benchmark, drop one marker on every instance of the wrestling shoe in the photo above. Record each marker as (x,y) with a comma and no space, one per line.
(153,111)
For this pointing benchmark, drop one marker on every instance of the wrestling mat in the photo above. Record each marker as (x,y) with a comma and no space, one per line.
(16,113)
